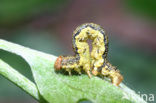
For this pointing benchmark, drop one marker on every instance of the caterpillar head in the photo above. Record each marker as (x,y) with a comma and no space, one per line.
(58,63)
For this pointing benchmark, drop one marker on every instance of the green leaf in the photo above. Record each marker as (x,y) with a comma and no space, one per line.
(21,81)
(60,88)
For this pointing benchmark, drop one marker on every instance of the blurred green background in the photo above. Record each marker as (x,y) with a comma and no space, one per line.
(48,25)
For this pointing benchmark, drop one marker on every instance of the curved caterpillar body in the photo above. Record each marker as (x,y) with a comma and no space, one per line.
(96,61)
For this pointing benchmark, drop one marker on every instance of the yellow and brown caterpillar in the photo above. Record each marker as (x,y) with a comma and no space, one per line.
(95,62)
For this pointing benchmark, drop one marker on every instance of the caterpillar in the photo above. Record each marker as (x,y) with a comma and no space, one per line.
(96,62)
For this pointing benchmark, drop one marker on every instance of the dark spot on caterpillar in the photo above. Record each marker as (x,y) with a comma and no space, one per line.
(84,51)
(98,51)
(87,33)
(98,38)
